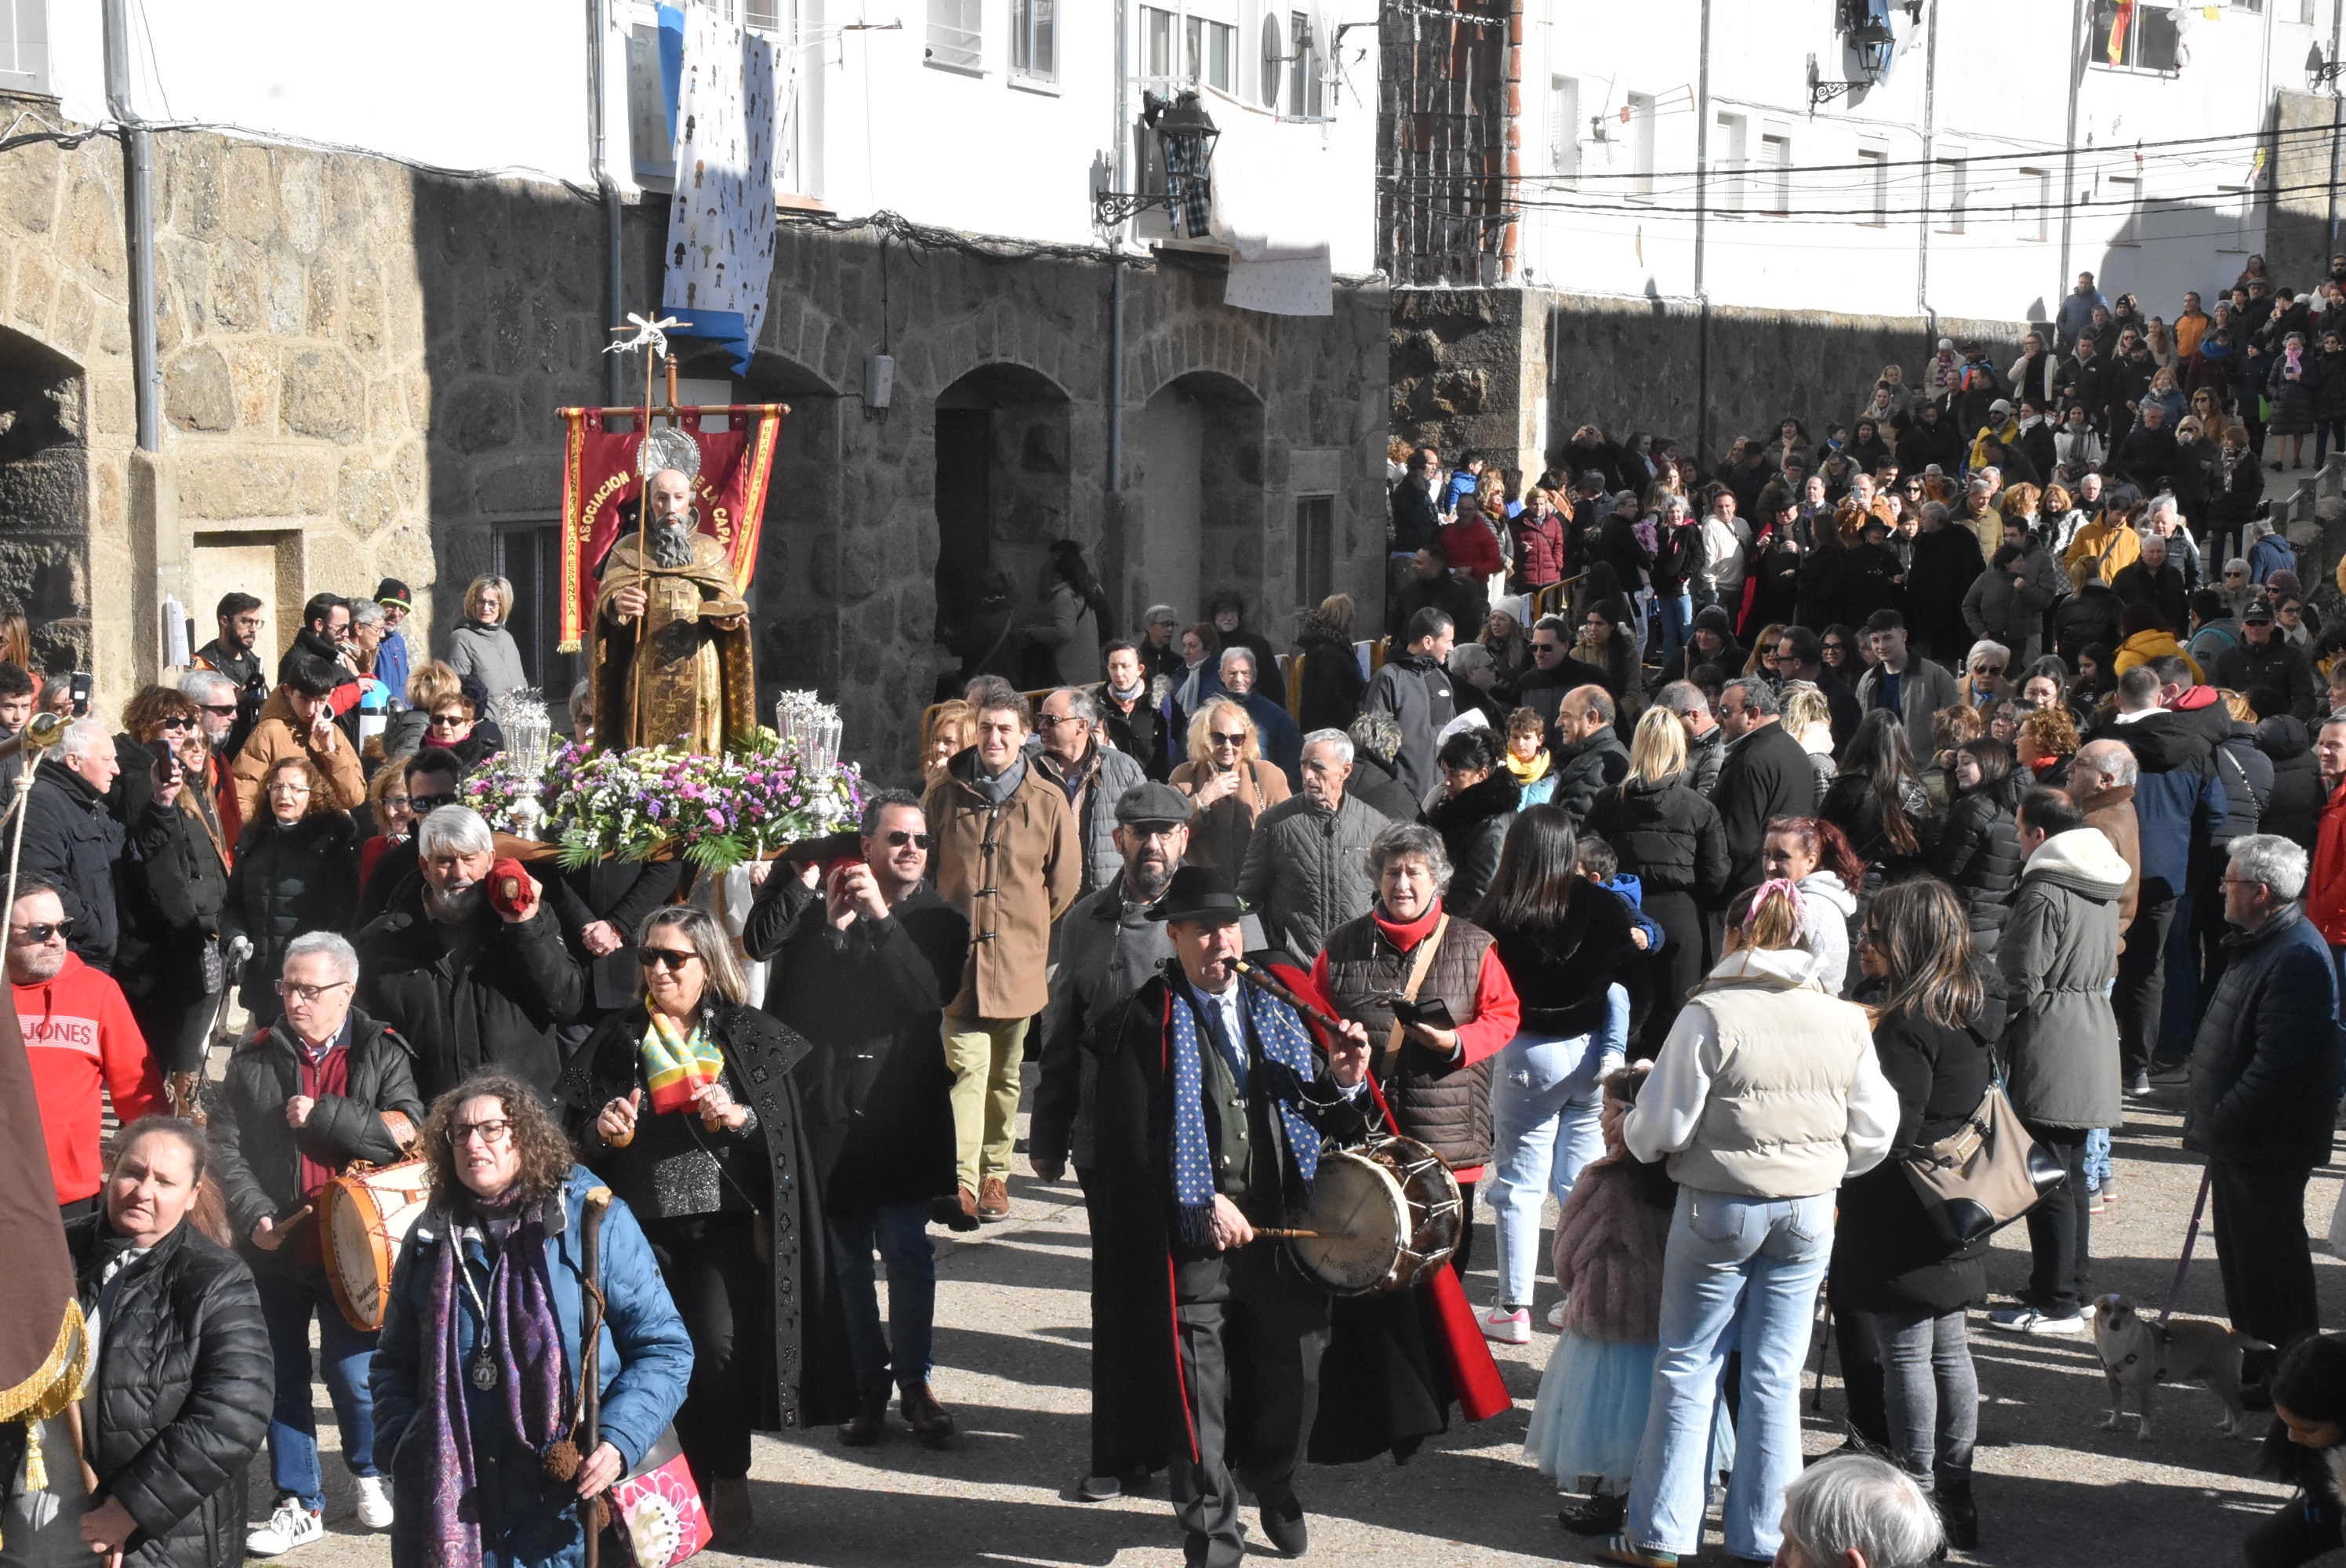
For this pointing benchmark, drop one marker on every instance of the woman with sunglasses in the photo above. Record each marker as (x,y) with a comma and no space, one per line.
(684,1102)
(171,888)
(480,1356)
(443,712)
(296,870)
(1233,785)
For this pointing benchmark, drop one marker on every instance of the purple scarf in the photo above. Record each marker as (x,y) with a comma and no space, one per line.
(529,1359)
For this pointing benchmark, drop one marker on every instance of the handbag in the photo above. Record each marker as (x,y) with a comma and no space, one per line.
(1982,1176)
(657,1509)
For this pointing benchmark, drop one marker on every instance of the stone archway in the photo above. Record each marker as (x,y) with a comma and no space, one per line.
(1198,491)
(44,564)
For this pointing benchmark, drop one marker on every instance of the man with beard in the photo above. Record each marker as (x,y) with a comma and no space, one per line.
(865,960)
(1093,775)
(670,660)
(1107,948)
(234,655)
(466,965)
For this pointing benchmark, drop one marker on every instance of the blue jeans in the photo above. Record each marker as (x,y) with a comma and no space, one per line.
(2097,1158)
(1674,617)
(1544,1097)
(288,1301)
(1766,1257)
(901,1354)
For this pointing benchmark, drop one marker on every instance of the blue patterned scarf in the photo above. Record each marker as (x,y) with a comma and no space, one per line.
(1285,1045)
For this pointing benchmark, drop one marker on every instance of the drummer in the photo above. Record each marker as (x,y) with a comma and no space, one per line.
(302,1100)
(1213,1098)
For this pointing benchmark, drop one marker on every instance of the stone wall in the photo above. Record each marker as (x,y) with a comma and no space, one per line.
(1470,365)
(2297,222)
(362,364)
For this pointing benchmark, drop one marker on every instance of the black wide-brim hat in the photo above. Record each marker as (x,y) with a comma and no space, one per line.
(1198,894)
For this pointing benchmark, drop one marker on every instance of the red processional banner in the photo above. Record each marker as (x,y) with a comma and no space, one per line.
(598,474)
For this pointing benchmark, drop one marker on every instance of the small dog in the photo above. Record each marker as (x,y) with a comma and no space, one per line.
(2140,1353)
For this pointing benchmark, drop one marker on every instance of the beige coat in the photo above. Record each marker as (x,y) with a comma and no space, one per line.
(1219,834)
(277,736)
(1038,862)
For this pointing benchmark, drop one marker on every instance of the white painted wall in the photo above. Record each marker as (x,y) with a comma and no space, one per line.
(502,84)
(1998,90)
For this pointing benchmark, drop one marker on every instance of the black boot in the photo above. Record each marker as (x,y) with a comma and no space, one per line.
(1952,1490)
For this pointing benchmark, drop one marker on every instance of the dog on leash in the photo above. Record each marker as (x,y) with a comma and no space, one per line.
(2140,1353)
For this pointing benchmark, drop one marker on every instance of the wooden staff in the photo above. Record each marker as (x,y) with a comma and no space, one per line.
(1261,979)
(593,1511)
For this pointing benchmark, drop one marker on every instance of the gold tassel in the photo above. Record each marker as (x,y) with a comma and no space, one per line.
(36,1470)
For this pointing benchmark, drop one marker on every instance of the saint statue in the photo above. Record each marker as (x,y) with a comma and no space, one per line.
(671,640)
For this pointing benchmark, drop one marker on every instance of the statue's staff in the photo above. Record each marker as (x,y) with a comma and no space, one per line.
(651,336)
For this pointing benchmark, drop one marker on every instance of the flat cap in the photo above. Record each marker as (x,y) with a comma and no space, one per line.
(1152,803)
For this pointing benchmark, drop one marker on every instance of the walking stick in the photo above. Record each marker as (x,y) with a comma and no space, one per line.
(2190,1240)
(594,1511)
(1824,1351)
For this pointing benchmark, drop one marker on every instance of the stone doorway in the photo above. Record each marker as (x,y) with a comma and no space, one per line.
(1199,493)
(1002,496)
(44,500)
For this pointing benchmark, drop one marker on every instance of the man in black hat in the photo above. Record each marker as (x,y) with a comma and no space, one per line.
(1212,1101)
(2272,675)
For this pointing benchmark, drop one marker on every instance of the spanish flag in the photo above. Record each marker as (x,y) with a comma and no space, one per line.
(2118,24)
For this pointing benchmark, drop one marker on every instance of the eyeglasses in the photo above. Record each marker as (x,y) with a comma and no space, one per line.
(1218,739)
(182,721)
(897,839)
(40,935)
(1547,647)
(1987,669)
(306,994)
(1053,721)
(225,709)
(289,787)
(425,805)
(671,959)
(2230,572)
(490,1133)
(397,803)
(449,721)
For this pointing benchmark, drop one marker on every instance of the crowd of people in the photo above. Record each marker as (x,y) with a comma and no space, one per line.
(1697,850)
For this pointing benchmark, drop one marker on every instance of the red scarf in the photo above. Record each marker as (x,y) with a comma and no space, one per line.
(1405,937)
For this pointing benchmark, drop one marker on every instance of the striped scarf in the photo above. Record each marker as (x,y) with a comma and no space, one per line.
(1285,1045)
(675,1063)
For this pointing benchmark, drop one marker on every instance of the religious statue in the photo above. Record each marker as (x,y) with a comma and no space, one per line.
(672,663)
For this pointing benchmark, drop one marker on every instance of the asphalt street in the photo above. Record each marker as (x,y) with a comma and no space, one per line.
(2053,1488)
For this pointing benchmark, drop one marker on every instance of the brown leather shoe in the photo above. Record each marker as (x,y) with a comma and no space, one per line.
(929,1421)
(992,1200)
(866,1427)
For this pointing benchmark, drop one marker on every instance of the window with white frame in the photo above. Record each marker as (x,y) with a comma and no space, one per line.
(1035,40)
(1954,194)
(2032,209)
(1306,92)
(956,35)
(1729,158)
(1638,109)
(2132,35)
(1874,172)
(1212,53)
(1564,126)
(2235,204)
(1157,59)
(1776,175)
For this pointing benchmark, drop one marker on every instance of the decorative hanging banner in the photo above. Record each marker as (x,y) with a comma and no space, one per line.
(720,223)
(599,478)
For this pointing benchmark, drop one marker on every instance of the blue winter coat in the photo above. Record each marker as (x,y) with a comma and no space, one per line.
(2265,1067)
(527,1521)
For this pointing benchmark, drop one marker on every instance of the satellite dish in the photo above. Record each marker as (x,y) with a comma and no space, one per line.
(1274,57)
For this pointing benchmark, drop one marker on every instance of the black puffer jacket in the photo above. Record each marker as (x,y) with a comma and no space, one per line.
(1665,835)
(2085,617)
(1376,783)
(2264,1066)
(172,891)
(1978,855)
(180,1398)
(1332,684)
(1586,768)
(72,844)
(260,1154)
(487,992)
(1474,829)
(1561,971)
(290,878)
(2294,809)
(1854,806)
(1887,1257)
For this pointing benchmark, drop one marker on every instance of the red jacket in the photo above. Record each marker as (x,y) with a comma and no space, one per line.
(1539,549)
(1473,547)
(79,1037)
(2325,883)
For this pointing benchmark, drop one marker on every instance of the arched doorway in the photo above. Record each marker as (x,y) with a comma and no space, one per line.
(44,499)
(1001,494)
(1200,493)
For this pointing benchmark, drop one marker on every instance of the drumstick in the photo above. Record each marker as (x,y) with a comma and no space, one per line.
(297,1217)
(1284,1233)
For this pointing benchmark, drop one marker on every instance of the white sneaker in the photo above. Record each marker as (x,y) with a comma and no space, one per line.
(2029,1320)
(291,1526)
(1555,1315)
(374,1503)
(1507,1328)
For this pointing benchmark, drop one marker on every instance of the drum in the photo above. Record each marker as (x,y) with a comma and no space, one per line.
(363,1218)
(1387,1214)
